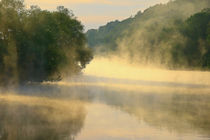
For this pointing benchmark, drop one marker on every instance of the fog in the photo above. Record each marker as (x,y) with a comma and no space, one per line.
(112,99)
(123,68)
(147,80)
(164,35)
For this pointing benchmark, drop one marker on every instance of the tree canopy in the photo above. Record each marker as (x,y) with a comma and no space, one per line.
(38,45)
(197,48)
(174,35)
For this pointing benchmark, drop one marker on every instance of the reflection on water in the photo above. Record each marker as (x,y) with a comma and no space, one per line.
(118,125)
(94,108)
(180,113)
(31,118)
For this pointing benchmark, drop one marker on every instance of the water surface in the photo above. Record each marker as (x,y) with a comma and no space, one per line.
(96,108)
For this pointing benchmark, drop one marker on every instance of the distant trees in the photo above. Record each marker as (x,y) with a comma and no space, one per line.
(197,47)
(38,45)
(173,35)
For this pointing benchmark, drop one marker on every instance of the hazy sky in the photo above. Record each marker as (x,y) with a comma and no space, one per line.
(94,13)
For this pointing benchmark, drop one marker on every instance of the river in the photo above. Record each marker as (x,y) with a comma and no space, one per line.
(110,103)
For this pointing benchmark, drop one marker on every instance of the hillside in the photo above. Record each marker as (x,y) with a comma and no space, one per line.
(158,35)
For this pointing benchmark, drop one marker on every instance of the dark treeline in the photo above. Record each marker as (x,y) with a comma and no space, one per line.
(176,35)
(38,45)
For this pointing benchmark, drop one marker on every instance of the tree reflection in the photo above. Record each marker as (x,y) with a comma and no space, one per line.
(177,112)
(58,111)
(40,119)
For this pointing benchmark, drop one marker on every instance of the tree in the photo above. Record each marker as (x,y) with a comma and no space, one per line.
(197,49)
(42,45)
(10,12)
(159,35)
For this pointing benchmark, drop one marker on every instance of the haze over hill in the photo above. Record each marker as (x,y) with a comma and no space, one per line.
(175,35)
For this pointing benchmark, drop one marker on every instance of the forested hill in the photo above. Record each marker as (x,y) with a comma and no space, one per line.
(174,34)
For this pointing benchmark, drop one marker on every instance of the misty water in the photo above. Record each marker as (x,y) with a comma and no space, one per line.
(146,106)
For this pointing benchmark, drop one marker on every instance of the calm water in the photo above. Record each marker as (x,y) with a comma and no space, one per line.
(94,108)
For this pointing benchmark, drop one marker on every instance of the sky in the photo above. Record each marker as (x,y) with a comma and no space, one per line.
(95,13)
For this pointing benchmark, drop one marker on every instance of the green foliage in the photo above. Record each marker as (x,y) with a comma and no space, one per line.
(208,37)
(165,34)
(38,45)
(107,35)
(197,48)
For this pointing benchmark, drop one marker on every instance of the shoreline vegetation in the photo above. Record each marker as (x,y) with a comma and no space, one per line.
(38,45)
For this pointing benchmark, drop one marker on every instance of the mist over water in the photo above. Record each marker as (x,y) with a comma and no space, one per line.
(113,99)
(127,92)
(117,68)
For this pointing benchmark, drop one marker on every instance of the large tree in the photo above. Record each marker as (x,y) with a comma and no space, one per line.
(39,45)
